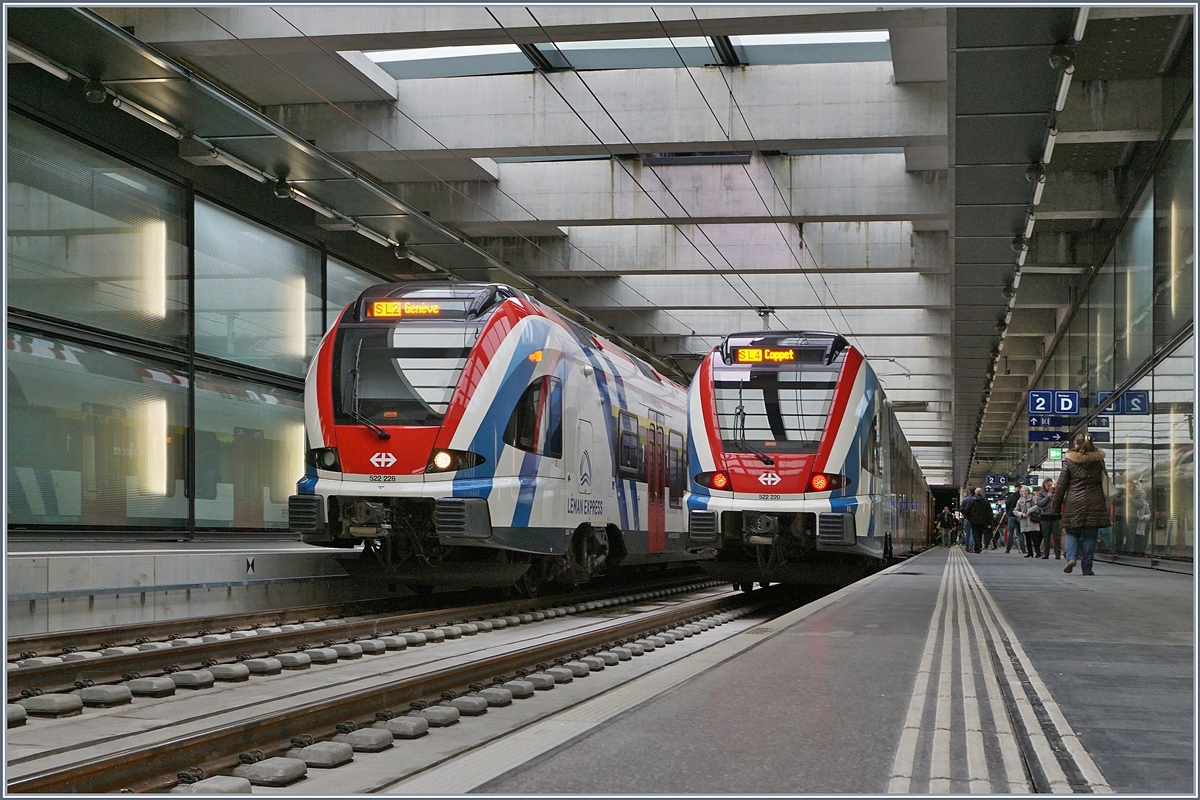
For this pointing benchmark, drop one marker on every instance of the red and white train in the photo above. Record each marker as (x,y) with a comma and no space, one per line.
(469,435)
(799,472)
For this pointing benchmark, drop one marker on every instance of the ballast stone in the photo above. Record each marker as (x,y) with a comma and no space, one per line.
(272,771)
(264,666)
(440,716)
(520,689)
(367,740)
(410,727)
(105,696)
(322,655)
(470,706)
(192,679)
(326,755)
(16,715)
(151,687)
(349,650)
(230,673)
(497,696)
(542,681)
(53,705)
(294,660)
(218,784)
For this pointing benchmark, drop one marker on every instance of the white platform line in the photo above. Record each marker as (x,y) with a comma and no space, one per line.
(939,755)
(979,780)
(1083,760)
(906,752)
(1041,745)
(1010,752)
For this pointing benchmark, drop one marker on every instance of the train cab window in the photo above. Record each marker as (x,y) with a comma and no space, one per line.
(536,423)
(675,470)
(629,458)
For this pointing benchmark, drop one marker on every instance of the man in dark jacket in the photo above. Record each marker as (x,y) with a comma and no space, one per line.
(979,513)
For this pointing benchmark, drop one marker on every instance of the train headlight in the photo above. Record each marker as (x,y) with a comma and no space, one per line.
(325,458)
(449,460)
(826,482)
(718,480)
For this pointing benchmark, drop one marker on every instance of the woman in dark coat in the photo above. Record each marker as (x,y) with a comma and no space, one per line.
(1082,494)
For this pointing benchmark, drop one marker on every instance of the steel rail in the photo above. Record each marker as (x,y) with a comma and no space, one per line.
(110,669)
(155,767)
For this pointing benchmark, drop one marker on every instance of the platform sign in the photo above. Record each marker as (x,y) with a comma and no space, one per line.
(1100,436)
(1118,406)
(1031,480)
(1047,436)
(996,481)
(1100,422)
(1049,421)
(1066,402)
(1041,401)
(1137,401)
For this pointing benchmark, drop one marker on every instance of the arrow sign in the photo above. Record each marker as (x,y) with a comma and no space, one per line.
(383,459)
(1046,436)
(769,479)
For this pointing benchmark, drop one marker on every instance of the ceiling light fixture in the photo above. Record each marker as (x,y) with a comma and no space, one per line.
(236,163)
(146,116)
(308,202)
(377,238)
(1050,137)
(38,61)
(1029,220)
(1063,85)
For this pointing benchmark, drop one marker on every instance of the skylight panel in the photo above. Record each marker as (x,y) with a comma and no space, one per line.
(422,53)
(832,37)
(631,44)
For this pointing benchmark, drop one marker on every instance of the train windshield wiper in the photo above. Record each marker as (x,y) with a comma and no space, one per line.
(739,415)
(353,411)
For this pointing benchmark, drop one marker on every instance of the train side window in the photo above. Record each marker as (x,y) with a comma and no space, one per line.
(871,448)
(536,423)
(630,455)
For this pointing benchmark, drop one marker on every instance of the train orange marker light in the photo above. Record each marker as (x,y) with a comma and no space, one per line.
(713,480)
(825,482)
(536,356)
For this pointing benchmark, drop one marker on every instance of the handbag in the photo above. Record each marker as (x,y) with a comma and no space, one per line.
(1035,515)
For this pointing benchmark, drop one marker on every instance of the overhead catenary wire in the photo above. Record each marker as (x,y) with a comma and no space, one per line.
(758,301)
(554,300)
(749,177)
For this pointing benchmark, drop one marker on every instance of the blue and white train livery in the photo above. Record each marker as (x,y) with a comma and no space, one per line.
(467,434)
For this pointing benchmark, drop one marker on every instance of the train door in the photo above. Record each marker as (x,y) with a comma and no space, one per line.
(584,475)
(656,480)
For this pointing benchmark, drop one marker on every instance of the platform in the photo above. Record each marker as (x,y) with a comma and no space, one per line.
(946,673)
(63,585)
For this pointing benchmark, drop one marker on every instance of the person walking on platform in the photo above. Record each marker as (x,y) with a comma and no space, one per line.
(1049,522)
(979,513)
(1014,530)
(1029,515)
(1082,497)
(946,525)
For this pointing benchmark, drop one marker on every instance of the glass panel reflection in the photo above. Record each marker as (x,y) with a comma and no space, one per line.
(257,293)
(1174,522)
(95,438)
(249,452)
(91,239)
(344,284)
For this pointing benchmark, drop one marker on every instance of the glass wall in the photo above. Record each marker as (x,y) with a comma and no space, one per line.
(258,293)
(1174,241)
(92,240)
(249,452)
(98,436)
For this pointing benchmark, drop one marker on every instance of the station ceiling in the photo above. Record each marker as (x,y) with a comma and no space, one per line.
(673,174)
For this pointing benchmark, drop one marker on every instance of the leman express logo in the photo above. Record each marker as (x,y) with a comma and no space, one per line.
(589,508)
(585,474)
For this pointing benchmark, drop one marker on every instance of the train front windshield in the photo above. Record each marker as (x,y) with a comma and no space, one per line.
(774,407)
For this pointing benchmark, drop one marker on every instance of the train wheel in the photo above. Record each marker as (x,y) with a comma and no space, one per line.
(748,587)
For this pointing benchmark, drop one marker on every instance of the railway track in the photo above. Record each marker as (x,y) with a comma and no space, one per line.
(149,757)
(184,651)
